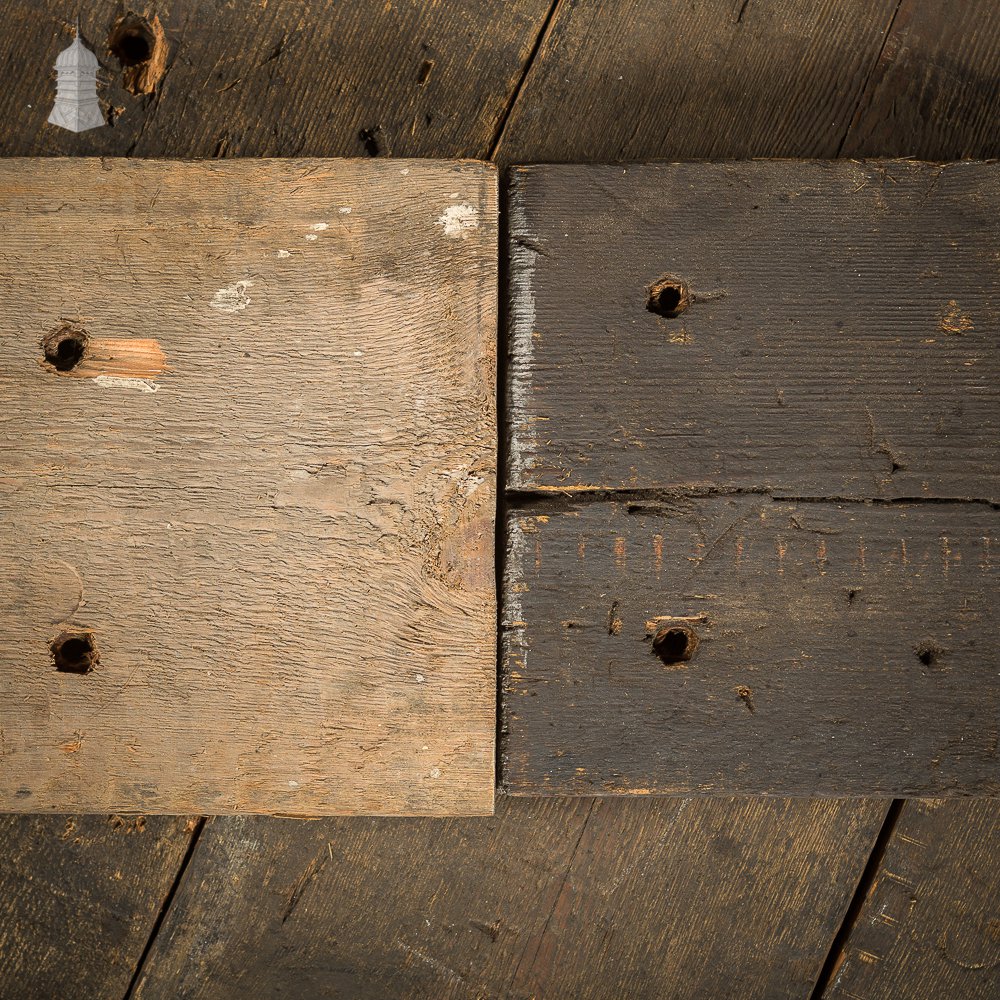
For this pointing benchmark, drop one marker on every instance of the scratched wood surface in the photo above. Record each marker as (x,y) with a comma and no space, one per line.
(290,78)
(588,899)
(78,899)
(842,649)
(930,927)
(264,495)
(836,335)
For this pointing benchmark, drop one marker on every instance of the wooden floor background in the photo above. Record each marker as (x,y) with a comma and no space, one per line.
(571,898)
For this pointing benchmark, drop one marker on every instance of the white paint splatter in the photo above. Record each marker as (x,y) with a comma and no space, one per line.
(523,257)
(344,211)
(420,678)
(318,227)
(283,253)
(514,586)
(121,382)
(359,354)
(435,772)
(293,784)
(233,298)
(311,236)
(404,171)
(459,220)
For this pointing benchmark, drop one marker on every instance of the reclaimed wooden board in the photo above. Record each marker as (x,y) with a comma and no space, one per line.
(73,887)
(744,644)
(929,927)
(757,401)
(819,329)
(199,78)
(247,486)
(584,899)
(646,79)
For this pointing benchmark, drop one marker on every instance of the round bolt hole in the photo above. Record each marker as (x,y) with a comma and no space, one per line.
(65,347)
(668,297)
(674,644)
(132,41)
(74,652)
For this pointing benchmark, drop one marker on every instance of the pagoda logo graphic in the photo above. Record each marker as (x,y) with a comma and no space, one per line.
(76,106)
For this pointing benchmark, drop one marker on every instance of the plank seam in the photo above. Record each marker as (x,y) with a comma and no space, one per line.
(167,902)
(864,888)
(529,62)
(864,87)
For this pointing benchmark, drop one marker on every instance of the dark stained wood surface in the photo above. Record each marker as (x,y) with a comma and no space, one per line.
(930,927)
(840,340)
(79,896)
(844,649)
(653,79)
(289,78)
(587,899)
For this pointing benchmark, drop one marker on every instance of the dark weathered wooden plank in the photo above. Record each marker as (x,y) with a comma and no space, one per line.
(843,649)
(838,338)
(264,494)
(78,899)
(626,80)
(584,899)
(295,78)
(929,927)
(934,90)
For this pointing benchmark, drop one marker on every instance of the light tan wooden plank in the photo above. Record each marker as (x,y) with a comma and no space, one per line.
(267,489)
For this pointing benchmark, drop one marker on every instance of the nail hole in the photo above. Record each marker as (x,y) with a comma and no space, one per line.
(74,652)
(132,40)
(369,139)
(425,71)
(675,644)
(928,652)
(668,297)
(65,347)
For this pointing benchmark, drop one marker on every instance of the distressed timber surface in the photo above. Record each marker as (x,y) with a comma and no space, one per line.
(267,490)
(801,467)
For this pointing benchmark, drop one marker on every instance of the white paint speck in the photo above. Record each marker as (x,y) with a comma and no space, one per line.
(435,772)
(359,354)
(311,236)
(283,253)
(420,678)
(344,211)
(454,194)
(318,227)
(404,171)
(459,220)
(293,784)
(233,298)
(121,382)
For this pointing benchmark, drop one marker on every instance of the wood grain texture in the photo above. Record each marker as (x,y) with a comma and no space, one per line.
(844,649)
(668,78)
(78,899)
(285,551)
(930,927)
(289,78)
(585,899)
(934,90)
(840,342)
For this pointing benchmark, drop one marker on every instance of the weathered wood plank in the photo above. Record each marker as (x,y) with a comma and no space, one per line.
(284,554)
(648,79)
(843,649)
(584,899)
(78,899)
(934,90)
(928,929)
(838,338)
(295,78)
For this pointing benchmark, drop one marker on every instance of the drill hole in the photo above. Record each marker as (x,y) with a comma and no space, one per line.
(74,652)
(65,347)
(675,644)
(668,297)
(132,41)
